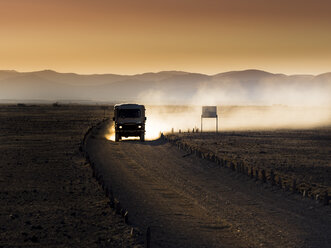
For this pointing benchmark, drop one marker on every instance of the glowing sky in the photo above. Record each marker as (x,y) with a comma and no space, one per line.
(135,36)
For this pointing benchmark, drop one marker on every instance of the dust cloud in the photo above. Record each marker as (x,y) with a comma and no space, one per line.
(269,108)
(167,119)
(231,118)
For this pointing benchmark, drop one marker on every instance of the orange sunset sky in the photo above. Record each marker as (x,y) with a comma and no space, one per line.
(136,36)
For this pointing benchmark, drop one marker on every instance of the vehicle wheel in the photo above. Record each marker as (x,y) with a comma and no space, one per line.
(117,137)
(142,137)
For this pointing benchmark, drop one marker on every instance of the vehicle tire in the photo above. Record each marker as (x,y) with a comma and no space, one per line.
(142,137)
(117,137)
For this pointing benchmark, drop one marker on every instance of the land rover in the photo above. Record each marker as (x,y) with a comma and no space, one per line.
(129,121)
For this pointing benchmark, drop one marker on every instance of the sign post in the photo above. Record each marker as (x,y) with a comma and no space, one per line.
(209,112)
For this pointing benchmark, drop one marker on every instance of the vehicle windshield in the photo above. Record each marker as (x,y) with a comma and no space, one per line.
(129,113)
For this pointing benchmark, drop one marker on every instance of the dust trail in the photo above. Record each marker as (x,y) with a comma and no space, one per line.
(164,119)
(231,118)
(241,106)
(110,134)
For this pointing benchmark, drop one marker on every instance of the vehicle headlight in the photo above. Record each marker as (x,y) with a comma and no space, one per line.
(120,127)
(139,126)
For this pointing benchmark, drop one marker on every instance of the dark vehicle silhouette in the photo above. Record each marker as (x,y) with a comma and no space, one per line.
(129,121)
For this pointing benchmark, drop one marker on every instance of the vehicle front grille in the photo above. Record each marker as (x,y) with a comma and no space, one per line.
(130,127)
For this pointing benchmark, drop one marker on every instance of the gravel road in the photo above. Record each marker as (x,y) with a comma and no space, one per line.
(190,202)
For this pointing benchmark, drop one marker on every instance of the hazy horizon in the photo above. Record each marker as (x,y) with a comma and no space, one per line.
(250,87)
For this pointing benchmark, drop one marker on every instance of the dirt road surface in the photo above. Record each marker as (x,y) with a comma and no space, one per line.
(190,202)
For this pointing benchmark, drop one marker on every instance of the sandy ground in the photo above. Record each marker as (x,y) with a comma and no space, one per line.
(48,197)
(192,202)
(304,155)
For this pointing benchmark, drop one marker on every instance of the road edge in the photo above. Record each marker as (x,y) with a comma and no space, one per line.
(318,193)
(114,203)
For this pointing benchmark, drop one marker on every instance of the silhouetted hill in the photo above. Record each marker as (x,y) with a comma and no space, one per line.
(246,74)
(326,77)
(7,74)
(235,87)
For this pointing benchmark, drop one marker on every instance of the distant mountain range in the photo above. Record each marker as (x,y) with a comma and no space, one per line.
(168,87)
